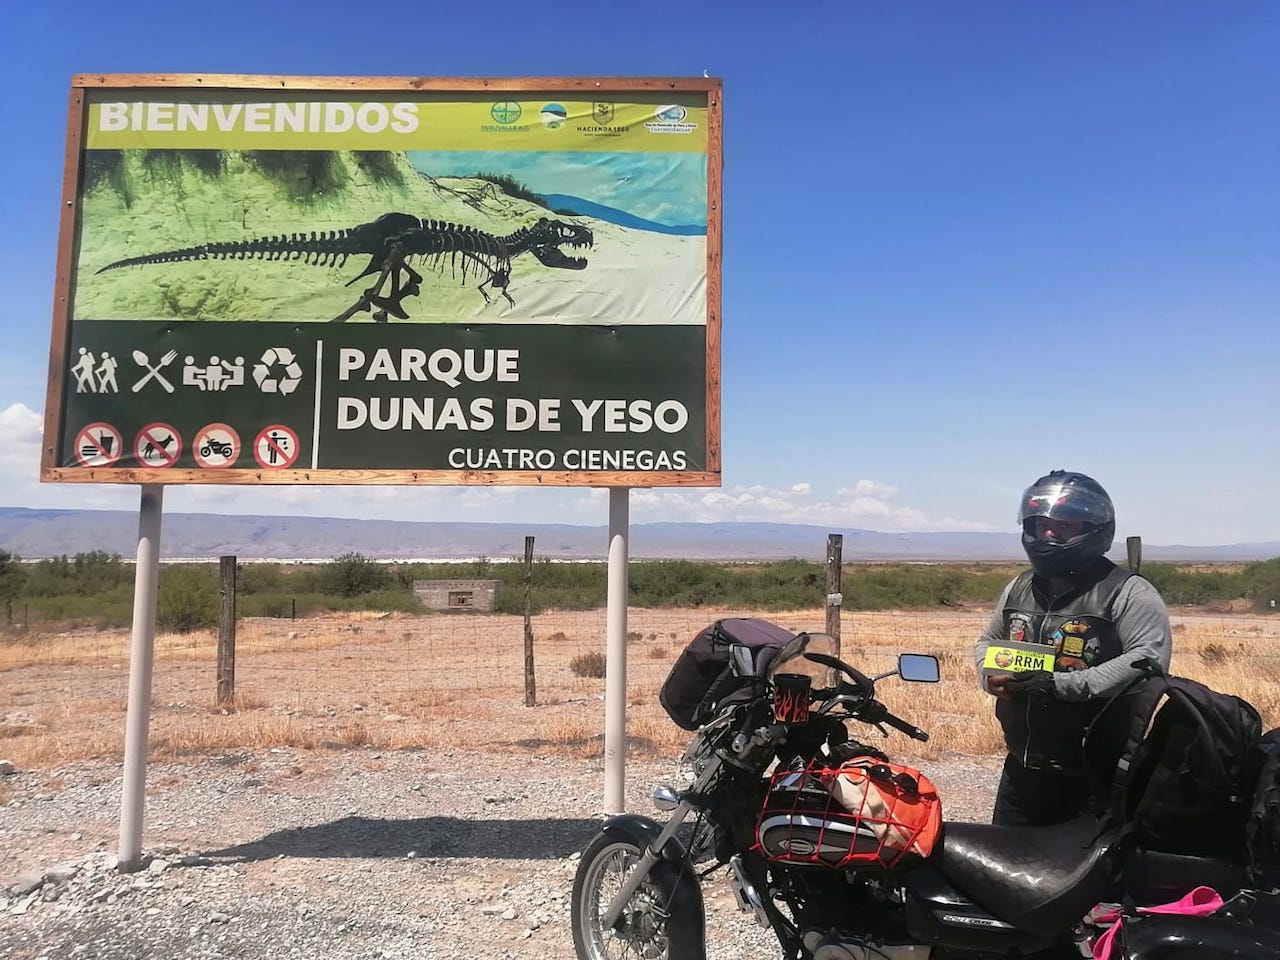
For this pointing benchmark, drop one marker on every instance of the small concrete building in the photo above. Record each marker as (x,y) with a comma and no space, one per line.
(457,596)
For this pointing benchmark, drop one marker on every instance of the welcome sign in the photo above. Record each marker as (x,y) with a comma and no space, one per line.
(350,280)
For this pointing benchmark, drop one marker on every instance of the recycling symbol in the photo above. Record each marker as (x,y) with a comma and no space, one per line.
(278,371)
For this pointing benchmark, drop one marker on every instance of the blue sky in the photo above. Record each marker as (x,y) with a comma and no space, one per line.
(965,243)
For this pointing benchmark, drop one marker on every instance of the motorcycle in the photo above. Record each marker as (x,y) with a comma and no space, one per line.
(842,879)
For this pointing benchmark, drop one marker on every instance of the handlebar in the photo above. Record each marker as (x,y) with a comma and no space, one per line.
(864,683)
(890,720)
(859,697)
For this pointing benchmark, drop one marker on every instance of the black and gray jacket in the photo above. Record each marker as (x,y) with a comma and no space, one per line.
(1096,631)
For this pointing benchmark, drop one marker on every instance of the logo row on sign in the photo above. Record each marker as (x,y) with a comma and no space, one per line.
(158,445)
(276,371)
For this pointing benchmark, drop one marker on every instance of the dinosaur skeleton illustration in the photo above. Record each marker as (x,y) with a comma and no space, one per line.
(390,242)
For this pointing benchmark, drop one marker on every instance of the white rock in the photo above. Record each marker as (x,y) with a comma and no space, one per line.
(509,913)
(25,883)
(7,768)
(63,872)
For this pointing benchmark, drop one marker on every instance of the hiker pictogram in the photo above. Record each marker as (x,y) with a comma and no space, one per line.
(95,373)
(215,446)
(276,447)
(153,370)
(157,445)
(98,445)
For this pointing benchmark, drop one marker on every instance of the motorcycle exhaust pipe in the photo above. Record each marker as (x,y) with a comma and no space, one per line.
(745,893)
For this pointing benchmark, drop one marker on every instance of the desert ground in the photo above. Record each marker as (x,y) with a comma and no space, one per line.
(379,788)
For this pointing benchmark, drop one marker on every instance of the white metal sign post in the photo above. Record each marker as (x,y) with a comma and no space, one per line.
(141,657)
(615,682)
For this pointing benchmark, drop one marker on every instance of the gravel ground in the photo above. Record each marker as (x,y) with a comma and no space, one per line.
(294,855)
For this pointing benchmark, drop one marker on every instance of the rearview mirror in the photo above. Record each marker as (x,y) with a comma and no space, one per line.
(918,667)
(742,660)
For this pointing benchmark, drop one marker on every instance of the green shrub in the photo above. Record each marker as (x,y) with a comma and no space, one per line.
(188,598)
(12,577)
(278,605)
(253,578)
(1262,585)
(353,574)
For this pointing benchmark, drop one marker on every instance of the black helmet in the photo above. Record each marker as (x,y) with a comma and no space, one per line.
(1063,495)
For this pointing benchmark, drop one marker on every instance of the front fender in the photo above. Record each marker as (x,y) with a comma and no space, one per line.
(686,929)
(1173,937)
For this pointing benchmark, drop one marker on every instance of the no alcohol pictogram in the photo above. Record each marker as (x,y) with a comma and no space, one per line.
(215,446)
(98,445)
(157,445)
(276,447)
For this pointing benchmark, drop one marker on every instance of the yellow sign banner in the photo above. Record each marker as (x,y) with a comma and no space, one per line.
(258,120)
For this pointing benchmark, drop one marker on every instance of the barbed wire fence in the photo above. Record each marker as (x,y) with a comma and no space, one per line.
(461,678)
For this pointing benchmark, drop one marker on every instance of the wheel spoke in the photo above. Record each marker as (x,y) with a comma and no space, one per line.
(641,929)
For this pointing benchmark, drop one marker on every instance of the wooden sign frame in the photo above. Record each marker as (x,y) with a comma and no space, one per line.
(55,401)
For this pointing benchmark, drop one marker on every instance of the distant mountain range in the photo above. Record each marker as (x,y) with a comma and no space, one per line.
(33,533)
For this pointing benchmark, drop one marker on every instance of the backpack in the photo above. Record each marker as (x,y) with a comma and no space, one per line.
(1262,830)
(1187,765)
(703,677)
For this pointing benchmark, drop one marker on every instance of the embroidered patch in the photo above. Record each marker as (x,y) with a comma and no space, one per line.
(1018,623)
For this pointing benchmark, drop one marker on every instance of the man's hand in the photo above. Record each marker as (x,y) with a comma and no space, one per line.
(998,686)
(1038,683)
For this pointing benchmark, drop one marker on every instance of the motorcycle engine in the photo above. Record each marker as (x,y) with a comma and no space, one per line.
(832,946)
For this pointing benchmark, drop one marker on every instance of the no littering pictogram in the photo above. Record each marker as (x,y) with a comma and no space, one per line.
(216,446)
(157,445)
(98,445)
(275,447)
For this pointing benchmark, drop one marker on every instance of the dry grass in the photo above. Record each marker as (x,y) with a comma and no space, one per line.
(346,682)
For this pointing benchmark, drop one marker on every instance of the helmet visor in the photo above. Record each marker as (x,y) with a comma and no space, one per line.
(1065,501)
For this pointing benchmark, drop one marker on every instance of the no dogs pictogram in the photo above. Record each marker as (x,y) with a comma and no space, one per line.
(275,447)
(98,445)
(215,446)
(157,445)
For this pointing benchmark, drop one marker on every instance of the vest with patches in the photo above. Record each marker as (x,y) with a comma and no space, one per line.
(1079,630)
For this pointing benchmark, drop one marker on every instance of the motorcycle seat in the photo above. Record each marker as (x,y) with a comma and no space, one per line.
(1040,879)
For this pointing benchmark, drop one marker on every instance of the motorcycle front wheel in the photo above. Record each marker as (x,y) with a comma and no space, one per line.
(642,929)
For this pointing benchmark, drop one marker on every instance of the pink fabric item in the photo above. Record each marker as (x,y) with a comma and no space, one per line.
(1200,902)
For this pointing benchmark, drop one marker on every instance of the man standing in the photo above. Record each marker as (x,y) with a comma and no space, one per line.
(1095,619)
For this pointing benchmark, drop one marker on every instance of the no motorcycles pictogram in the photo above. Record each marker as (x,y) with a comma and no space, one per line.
(216,446)
(157,445)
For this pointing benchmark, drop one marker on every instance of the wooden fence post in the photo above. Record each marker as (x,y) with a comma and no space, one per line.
(226,630)
(1134,547)
(530,686)
(835,547)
